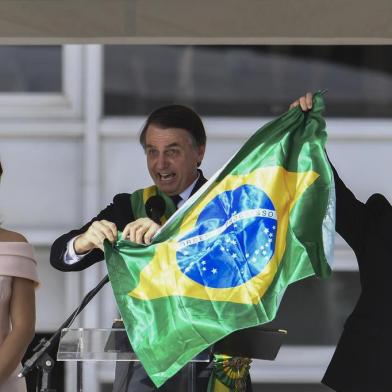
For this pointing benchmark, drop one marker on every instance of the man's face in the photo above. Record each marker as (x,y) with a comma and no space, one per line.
(172,158)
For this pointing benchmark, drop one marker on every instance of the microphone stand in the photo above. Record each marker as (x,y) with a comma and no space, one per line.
(41,359)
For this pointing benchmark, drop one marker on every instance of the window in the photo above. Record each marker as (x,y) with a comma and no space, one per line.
(30,69)
(247,80)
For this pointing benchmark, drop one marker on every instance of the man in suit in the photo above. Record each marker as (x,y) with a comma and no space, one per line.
(361,362)
(174,141)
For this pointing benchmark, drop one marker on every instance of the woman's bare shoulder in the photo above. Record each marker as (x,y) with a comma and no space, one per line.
(11,236)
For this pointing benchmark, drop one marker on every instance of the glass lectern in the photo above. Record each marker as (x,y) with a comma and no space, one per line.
(85,344)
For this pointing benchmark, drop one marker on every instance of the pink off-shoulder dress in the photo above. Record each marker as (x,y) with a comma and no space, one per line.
(16,260)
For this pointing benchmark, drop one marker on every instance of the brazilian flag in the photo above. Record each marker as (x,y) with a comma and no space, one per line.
(223,261)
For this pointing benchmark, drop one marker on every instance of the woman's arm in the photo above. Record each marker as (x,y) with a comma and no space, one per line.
(22,314)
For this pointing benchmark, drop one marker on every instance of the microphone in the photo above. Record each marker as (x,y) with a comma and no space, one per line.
(155,208)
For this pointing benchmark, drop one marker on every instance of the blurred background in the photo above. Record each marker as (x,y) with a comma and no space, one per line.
(69,122)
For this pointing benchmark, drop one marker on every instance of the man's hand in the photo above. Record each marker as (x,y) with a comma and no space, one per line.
(140,231)
(305,102)
(95,235)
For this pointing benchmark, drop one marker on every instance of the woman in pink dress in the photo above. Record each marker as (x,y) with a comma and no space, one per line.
(18,279)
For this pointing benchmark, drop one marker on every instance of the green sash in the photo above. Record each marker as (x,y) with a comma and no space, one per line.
(140,197)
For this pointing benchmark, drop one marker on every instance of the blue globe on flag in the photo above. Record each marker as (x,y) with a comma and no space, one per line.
(233,240)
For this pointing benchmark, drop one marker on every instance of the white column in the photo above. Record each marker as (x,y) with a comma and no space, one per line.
(91,187)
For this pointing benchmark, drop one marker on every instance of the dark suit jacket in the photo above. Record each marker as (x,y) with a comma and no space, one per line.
(362,360)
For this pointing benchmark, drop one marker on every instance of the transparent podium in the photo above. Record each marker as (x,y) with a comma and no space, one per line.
(82,345)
